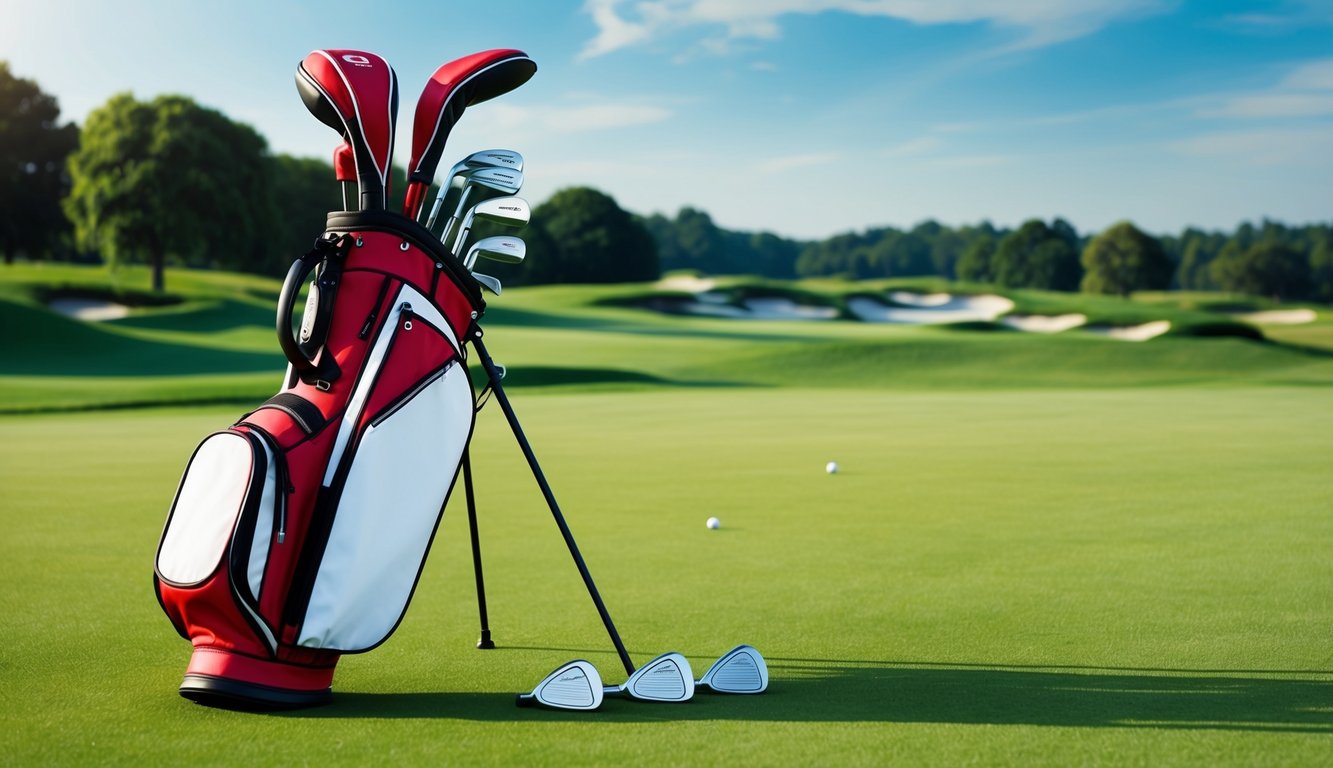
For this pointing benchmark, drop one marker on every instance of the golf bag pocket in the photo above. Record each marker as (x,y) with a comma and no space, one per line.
(389,504)
(228,511)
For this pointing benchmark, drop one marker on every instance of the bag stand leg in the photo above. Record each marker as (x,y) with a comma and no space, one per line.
(485,642)
(494,377)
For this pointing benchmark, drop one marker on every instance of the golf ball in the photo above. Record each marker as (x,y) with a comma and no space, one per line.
(831,468)
(713,523)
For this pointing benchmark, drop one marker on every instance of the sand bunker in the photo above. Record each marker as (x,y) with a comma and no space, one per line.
(1044,323)
(686,283)
(930,309)
(1279,317)
(93,310)
(714,304)
(1133,332)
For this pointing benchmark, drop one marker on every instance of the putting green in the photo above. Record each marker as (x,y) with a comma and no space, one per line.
(1022,576)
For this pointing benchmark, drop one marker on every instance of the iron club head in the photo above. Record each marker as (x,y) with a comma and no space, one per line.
(506,211)
(666,678)
(575,685)
(502,249)
(491,284)
(740,670)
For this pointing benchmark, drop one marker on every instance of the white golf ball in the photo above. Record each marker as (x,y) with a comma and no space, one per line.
(831,468)
(713,523)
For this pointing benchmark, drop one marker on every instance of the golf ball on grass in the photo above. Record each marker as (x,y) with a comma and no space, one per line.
(831,467)
(713,523)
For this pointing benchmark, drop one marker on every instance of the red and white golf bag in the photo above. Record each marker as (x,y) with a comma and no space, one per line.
(299,532)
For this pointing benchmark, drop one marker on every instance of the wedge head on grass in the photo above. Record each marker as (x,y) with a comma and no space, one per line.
(666,678)
(575,685)
(740,670)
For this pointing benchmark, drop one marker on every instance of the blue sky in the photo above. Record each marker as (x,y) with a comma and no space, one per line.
(801,117)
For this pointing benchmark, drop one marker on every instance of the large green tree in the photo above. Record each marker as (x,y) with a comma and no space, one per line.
(1038,256)
(1264,269)
(171,179)
(33,149)
(1122,260)
(580,235)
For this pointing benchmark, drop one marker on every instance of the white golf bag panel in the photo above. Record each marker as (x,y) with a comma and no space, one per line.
(228,491)
(389,507)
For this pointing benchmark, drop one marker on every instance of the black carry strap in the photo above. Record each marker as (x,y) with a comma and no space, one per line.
(327,256)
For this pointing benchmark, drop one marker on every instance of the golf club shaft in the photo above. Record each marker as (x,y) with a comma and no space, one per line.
(498,390)
(485,640)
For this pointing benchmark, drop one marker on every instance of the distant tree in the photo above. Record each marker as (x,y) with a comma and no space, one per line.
(304,191)
(1321,270)
(33,149)
(169,178)
(585,237)
(1264,269)
(1122,260)
(1037,256)
(975,264)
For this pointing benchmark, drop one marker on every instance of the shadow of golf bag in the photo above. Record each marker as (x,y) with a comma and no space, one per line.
(298,533)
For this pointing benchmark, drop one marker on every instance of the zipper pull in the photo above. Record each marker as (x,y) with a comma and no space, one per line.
(406,311)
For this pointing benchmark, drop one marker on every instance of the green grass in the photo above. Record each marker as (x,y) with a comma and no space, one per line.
(1039,551)
(1096,577)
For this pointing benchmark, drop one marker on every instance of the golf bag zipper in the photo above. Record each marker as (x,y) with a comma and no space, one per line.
(407,397)
(281,478)
(369,325)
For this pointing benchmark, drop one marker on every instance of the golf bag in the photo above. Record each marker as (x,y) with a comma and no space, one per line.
(298,533)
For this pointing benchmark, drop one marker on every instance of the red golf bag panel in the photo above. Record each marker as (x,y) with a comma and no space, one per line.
(299,533)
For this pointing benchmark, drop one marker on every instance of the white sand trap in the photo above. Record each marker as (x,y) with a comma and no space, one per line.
(1133,332)
(1044,323)
(956,309)
(93,310)
(1279,317)
(907,298)
(686,283)
(786,309)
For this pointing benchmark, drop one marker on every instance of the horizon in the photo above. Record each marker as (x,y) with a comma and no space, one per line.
(804,118)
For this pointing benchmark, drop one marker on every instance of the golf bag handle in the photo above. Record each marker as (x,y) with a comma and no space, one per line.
(327,256)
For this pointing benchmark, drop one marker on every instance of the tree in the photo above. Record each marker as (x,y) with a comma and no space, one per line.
(169,178)
(1264,269)
(304,191)
(585,237)
(33,149)
(1038,256)
(975,265)
(1122,260)
(1321,270)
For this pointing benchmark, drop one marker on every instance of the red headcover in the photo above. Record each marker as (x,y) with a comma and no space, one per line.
(453,88)
(356,94)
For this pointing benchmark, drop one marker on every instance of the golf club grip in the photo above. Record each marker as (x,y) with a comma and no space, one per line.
(508,409)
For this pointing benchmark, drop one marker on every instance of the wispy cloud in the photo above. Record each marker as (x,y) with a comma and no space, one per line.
(1264,147)
(793,162)
(1037,23)
(583,118)
(1305,91)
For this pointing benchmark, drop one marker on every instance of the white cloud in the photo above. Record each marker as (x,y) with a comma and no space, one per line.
(625,23)
(1300,147)
(1312,76)
(793,162)
(1305,91)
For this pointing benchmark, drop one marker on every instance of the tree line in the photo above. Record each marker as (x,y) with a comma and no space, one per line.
(168,181)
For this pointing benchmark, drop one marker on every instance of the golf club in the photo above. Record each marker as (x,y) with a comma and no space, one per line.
(453,88)
(496,181)
(740,670)
(505,211)
(576,685)
(486,158)
(501,249)
(666,678)
(491,284)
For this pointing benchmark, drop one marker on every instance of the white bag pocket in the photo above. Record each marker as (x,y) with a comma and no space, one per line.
(389,507)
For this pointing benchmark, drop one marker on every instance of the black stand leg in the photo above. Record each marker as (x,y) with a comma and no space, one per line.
(485,641)
(494,377)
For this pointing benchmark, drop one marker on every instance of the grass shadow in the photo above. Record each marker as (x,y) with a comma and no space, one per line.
(814,690)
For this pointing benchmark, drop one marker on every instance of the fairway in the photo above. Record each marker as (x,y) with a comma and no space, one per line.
(1127,576)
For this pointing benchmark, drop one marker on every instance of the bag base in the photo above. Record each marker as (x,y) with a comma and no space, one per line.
(217,678)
